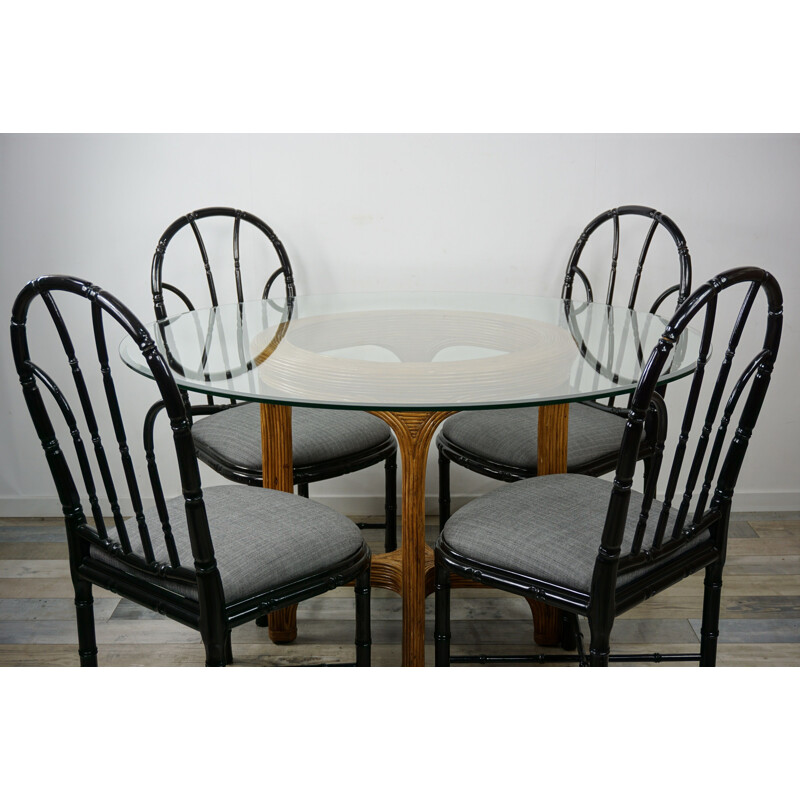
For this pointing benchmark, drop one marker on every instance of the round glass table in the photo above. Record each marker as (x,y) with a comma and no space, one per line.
(411,359)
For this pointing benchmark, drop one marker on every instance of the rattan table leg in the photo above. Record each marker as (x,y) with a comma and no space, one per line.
(551,460)
(414,431)
(276,454)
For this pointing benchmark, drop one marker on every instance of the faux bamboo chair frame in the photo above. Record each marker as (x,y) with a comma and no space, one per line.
(663,549)
(123,571)
(303,476)
(450,451)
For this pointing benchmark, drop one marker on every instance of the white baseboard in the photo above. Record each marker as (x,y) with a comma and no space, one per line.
(373,505)
(766,501)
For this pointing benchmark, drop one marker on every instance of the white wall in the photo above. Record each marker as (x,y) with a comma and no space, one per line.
(394,212)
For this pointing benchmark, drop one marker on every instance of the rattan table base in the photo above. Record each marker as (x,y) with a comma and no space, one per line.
(409,571)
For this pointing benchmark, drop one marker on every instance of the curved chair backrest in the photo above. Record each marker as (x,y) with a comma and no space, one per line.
(96,474)
(158,286)
(682,287)
(669,530)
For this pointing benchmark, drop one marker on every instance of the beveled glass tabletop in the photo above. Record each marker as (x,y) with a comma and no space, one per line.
(412,351)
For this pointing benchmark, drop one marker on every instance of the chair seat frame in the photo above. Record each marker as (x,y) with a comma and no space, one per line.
(134,585)
(303,474)
(449,451)
(449,561)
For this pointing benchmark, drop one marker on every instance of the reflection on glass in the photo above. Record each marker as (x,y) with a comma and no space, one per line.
(422,351)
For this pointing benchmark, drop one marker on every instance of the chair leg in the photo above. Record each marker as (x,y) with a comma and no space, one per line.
(390,505)
(600,635)
(444,490)
(709,630)
(363,630)
(441,632)
(216,650)
(216,636)
(228,649)
(569,623)
(84,612)
(302,489)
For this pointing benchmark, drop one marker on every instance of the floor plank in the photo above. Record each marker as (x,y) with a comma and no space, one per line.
(26,549)
(12,610)
(751,631)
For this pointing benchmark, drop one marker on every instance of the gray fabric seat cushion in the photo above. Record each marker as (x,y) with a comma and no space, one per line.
(318,435)
(548,528)
(510,435)
(263,539)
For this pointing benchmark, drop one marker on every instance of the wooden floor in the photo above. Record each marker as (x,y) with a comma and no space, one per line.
(760,623)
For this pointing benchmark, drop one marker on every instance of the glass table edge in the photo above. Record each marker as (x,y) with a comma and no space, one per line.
(217,391)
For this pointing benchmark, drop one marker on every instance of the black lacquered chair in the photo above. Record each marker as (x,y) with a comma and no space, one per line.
(595,549)
(211,559)
(502,443)
(325,443)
